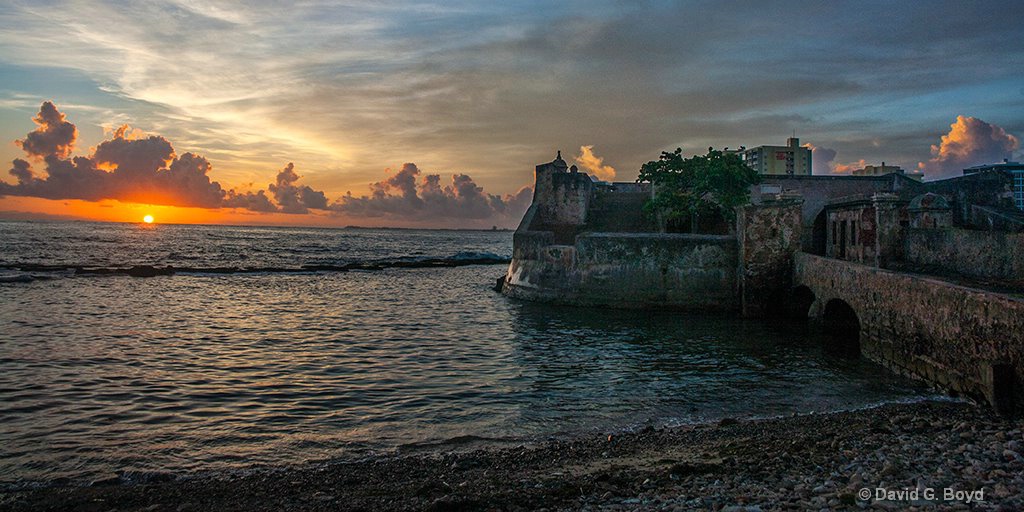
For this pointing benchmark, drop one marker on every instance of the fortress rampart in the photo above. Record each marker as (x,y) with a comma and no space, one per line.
(589,243)
(833,249)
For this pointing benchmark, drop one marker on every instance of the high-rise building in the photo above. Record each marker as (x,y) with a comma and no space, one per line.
(790,159)
(1015,169)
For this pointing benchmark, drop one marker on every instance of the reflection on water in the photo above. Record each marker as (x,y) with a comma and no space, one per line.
(101,374)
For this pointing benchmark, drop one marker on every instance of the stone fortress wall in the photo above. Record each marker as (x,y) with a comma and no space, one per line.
(829,248)
(588,243)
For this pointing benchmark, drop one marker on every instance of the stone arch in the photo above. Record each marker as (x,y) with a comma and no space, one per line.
(819,233)
(842,325)
(801,300)
(789,303)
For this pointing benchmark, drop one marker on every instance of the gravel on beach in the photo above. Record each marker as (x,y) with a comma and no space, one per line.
(928,455)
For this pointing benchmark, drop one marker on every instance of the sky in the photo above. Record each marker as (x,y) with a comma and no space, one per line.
(435,114)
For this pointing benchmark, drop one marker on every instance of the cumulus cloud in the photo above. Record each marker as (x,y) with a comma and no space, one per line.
(255,201)
(139,156)
(848,168)
(54,135)
(970,141)
(821,158)
(22,170)
(404,196)
(824,160)
(294,198)
(594,164)
(134,167)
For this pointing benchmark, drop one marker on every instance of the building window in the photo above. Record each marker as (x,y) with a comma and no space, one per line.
(1018,189)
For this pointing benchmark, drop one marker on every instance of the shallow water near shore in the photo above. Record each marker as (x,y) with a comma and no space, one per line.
(106,373)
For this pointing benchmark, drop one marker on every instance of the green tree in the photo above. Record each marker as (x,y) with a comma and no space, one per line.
(687,188)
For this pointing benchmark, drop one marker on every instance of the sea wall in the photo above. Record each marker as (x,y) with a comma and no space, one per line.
(985,254)
(627,270)
(964,340)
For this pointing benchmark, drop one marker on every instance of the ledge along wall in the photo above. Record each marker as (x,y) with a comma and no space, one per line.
(984,254)
(964,340)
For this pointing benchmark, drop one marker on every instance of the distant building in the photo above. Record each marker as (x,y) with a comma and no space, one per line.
(881,170)
(1014,169)
(790,159)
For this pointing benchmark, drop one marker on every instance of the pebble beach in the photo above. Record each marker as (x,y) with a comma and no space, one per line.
(929,455)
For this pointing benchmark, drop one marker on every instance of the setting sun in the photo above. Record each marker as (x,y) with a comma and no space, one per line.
(148,219)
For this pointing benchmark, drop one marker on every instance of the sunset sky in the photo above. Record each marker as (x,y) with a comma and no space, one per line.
(342,113)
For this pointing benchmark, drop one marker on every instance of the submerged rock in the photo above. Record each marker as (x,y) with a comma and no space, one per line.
(16,278)
(149,271)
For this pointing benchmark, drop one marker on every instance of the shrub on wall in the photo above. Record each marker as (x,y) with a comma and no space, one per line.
(701,186)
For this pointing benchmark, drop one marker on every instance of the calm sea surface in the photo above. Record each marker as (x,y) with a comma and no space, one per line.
(111,373)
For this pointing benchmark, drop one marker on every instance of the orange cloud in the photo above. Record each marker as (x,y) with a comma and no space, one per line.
(970,141)
(838,168)
(134,167)
(594,164)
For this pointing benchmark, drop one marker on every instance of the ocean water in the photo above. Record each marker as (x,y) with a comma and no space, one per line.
(266,363)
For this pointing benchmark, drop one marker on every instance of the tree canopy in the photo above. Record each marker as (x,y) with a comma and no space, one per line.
(717,182)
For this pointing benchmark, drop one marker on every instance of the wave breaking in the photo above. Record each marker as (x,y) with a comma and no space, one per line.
(460,259)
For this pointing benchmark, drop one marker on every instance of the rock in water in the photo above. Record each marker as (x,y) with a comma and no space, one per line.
(149,271)
(16,278)
(499,284)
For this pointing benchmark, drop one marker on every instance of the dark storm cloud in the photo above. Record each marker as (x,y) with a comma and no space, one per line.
(403,197)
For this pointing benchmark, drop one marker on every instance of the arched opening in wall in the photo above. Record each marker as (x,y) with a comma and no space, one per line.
(789,304)
(800,301)
(819,234)
(842,327)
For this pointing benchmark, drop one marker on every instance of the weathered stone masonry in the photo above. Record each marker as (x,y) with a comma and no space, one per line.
(958,338)
(587,243)
(573,247)
(769,235)
(626,270)
(982,254)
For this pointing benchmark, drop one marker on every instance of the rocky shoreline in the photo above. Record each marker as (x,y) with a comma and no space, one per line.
(926,455)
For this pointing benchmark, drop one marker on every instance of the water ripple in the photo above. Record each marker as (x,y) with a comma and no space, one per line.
(144,375)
